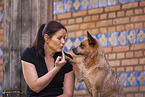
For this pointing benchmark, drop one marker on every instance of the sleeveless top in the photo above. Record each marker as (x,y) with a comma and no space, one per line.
(55,87)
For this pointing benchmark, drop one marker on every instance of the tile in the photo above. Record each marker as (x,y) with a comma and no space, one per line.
(122,38)
(94,4)
(103,3)
(128,1)
(131,37)
(113,39)
(140,35)
(1,16)
(1,88)
(1,52)
(112,2)
(103,39)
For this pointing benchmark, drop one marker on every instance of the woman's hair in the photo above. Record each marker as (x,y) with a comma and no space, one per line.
(50,28)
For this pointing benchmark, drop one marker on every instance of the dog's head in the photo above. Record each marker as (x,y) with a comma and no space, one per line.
(87,46)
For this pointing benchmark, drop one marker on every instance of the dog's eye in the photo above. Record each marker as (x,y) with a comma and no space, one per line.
(81,45)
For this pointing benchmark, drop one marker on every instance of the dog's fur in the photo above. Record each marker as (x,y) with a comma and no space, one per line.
(99,78)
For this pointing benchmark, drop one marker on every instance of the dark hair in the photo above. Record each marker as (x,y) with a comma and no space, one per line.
(50,28)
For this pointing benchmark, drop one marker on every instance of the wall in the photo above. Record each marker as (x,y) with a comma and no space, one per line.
(1,43)
(119,25)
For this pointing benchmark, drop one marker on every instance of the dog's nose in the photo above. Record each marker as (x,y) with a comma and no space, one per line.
(73,49)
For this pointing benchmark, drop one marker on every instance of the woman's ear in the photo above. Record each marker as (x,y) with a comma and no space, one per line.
(46,37)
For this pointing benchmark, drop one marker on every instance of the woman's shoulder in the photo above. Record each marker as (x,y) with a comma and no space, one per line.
(28,53)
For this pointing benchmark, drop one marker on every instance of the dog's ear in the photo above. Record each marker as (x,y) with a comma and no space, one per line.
(91,40)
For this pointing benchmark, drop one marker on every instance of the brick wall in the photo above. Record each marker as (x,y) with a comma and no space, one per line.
(1,43)
(109,19)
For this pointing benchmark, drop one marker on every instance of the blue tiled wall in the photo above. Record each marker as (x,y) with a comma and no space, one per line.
(110,39)
(65,6)
(1,48)
(127,80)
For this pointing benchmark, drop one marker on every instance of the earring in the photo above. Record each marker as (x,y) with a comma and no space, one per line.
(47,42)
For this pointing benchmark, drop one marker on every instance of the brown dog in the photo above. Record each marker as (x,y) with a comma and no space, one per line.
(99,78)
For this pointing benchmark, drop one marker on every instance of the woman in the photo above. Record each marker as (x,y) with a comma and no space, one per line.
(45,69)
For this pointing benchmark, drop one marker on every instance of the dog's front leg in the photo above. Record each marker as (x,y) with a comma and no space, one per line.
(78,73)
(95,93)
(76,69)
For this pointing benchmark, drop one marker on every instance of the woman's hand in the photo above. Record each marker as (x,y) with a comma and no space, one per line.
(60,61)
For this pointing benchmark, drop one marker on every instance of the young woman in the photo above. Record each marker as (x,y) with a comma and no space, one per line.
(45,69)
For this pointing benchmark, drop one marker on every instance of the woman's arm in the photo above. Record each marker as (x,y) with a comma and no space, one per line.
(31,76)
(68,85)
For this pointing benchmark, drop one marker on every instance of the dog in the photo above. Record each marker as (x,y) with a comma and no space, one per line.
(99,78)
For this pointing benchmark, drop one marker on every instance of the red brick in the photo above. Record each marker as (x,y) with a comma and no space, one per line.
(72,27)
(104,23)
(103,16)
(142,88)
(54,17)
(144,25)
(112,8)
(103,30)
(1,61)
(112,29)
(64,22)
(79,13)
(70,34)
(114,63)
(129,12)
(79,20)
(129,26)
(138,25)
(129,95)
(130,5)
(95,17)
(121,20)
(95,11)
(138,68)
(64,16)
(129,62)
(142,60)
(121,48)
(137,46)
(71,21)
(107,49)
(120,69)
(138,11)
(94,31)
(82,92)
(142,3)
(112,15)
(120,28)
(78,33)
(87,18)
(1,31)
(120,13)
(138,18)
(139,95)
(138,53)
(112,56)
(131,89)
(129,54)
(120,55)
(87,25)
(129,69)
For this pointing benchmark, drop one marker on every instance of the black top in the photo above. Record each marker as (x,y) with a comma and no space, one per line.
(55,87)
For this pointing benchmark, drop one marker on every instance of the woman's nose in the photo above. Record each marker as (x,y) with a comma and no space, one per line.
(63,41)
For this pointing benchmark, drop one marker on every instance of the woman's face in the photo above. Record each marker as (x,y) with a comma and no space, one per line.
(56,43)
